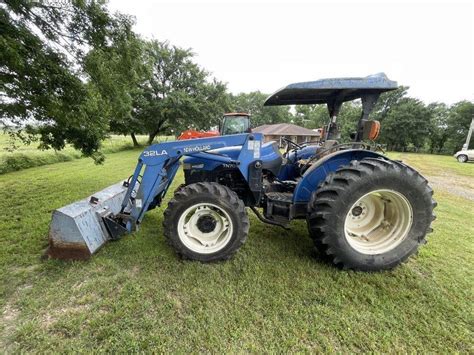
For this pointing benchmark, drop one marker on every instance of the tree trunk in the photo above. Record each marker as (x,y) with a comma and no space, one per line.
(152,136)
(134,139)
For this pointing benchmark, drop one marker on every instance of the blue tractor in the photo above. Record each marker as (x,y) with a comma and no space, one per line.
(364,211)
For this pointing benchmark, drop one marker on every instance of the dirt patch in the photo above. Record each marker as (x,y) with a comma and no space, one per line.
(52,317)
(7,326)
(456,185)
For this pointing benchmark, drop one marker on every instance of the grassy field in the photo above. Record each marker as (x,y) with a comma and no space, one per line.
(28,155)
(436,164)
(275,295)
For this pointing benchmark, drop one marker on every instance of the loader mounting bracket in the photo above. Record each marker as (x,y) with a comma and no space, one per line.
(115,229)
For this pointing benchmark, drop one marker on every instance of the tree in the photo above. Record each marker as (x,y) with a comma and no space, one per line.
(116,70)
(317,116)
(311,116)
(437,131)
(459,121)
(406,123)
(347,119)
(387,101)
(43,83)
(177,94)
(252,103)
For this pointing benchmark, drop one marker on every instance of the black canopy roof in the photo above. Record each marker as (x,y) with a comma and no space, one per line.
(330,90)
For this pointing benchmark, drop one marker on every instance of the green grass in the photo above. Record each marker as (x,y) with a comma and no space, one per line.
(28,155)
(275,295)
(432,164)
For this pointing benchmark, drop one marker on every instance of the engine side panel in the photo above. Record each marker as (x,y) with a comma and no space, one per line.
(269,155)
(225,174)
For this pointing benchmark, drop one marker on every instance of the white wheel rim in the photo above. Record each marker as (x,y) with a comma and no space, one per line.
(211,239)
(378,222)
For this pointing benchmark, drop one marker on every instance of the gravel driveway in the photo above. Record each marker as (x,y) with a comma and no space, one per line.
(459,186)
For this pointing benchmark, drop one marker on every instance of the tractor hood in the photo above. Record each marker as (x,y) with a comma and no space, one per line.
(325,91)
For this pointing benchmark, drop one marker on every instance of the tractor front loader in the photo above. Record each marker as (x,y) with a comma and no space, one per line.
(363,210)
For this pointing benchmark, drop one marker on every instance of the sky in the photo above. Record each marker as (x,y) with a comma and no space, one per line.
(265,45)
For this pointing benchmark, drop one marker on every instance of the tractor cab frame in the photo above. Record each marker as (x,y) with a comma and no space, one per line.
(234,123)
(333,93)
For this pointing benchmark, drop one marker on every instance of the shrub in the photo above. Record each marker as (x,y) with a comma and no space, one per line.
(19,161)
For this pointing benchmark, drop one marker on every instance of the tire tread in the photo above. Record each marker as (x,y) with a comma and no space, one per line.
(323,205)
(222,193)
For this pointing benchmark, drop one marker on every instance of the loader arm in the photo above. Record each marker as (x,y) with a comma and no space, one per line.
(79,229)
(156,169)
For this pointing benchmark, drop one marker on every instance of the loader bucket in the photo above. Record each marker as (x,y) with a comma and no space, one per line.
(77,230)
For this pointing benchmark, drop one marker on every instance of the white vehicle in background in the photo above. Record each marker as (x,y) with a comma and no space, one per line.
(464,155)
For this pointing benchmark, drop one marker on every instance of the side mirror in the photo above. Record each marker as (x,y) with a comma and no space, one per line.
(371,130)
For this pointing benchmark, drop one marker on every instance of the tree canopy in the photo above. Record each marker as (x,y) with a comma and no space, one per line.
(74,73)
(176,93)
(252,103)
(42,78)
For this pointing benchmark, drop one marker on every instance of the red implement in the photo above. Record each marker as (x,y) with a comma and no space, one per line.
(193,134)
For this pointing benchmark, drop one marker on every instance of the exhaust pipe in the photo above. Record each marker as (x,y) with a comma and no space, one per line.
(78,230)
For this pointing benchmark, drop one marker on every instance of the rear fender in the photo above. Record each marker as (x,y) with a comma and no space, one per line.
(329,163)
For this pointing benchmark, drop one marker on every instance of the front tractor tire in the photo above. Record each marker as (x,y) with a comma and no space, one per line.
(206,222)
(371,215)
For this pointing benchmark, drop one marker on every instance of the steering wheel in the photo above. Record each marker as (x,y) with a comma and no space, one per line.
(290,142)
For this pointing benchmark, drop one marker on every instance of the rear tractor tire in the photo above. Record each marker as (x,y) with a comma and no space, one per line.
(205,221)
(371,215)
